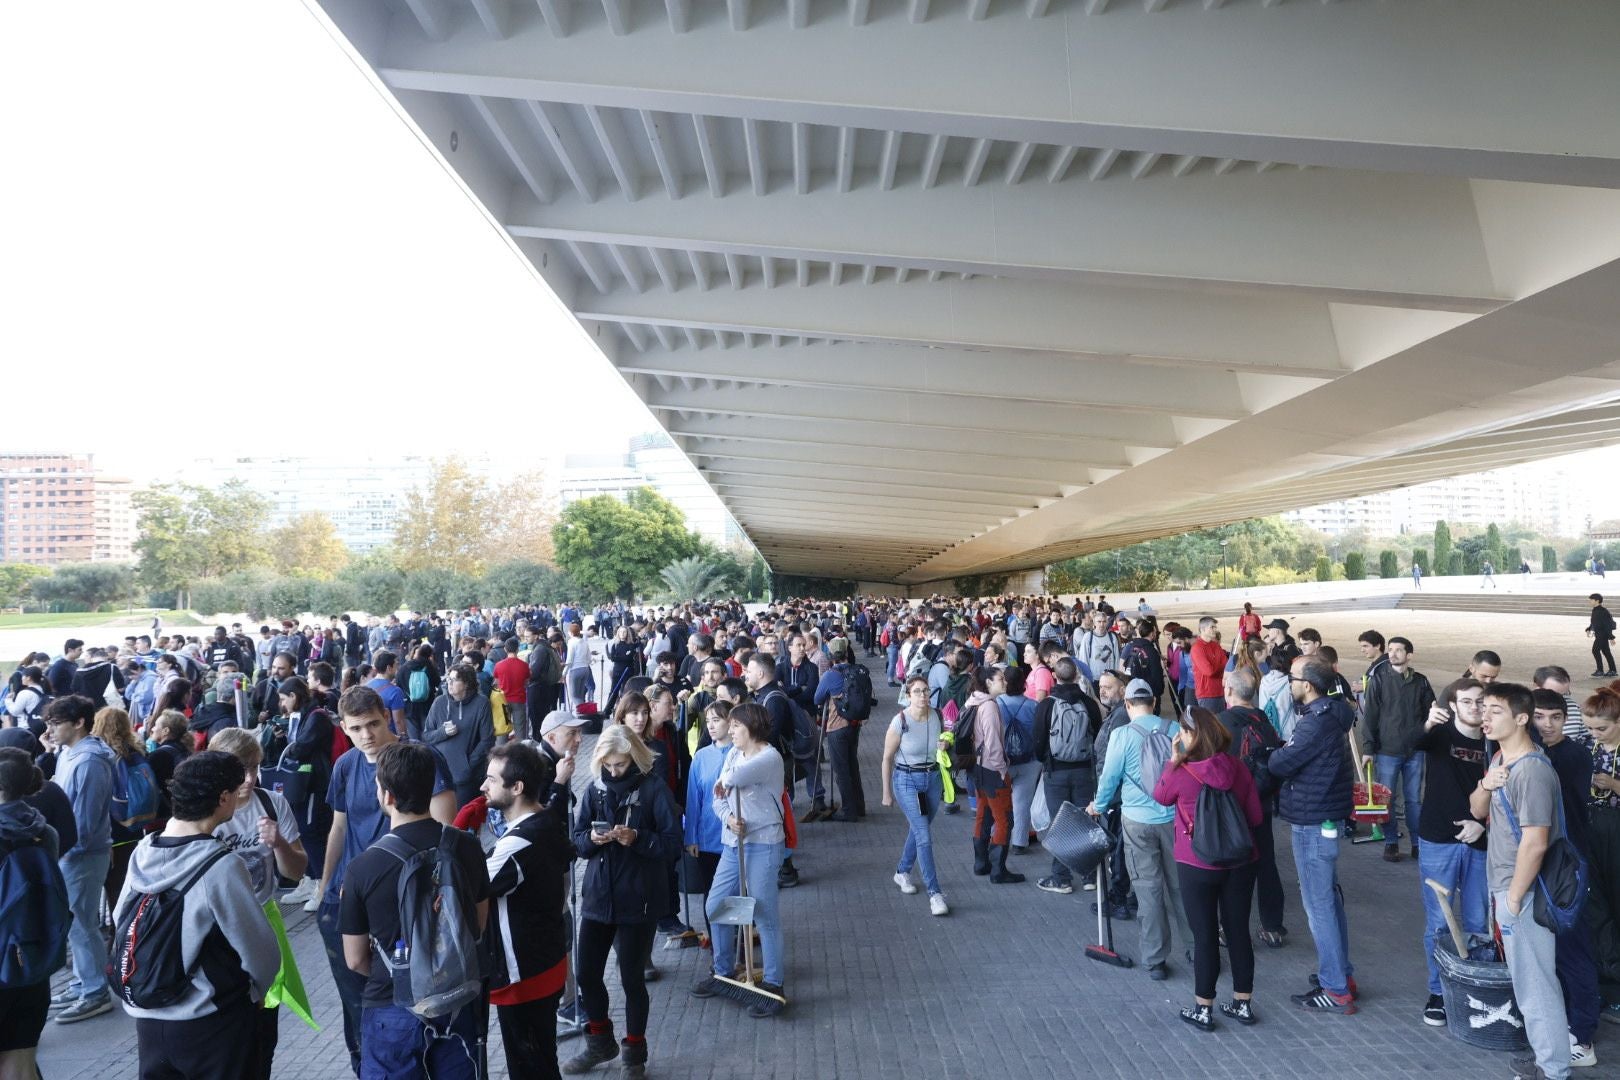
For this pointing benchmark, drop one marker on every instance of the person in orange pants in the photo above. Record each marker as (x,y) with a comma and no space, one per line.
(991,780)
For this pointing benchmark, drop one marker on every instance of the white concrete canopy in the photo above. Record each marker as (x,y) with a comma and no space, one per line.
(930,289)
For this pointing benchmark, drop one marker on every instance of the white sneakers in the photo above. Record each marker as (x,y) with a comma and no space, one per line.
(907,886)
(301,894)
(1581,1057)
(937,904)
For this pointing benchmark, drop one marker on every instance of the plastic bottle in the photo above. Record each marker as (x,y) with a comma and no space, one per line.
(1330,830)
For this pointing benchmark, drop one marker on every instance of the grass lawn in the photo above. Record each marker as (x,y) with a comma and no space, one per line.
(94,618)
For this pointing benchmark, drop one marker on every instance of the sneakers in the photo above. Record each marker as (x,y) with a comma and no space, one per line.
(84,1009)
(1120,912)
(1434,1013)
(767,1007)
(1392,853)
(1414,850)
(937,904)
(670,925)
(302,894)
(1159,972)
(787,877)
(1525,1068)
(1324,1001)
(651,974)
(1241,1011)
(1089,886)
(313,904)
(63,1000)
(1199,1016)
(907,886)
(1350,984)
(708,988)
(1581,1057)
(1057,885)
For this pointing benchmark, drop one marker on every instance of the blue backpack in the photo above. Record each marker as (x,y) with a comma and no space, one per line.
(135,793)
(34,916)
(418,684)
(1018,728)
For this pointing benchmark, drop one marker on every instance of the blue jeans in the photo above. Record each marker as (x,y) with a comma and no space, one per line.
(1316,860)
(350,984)
(398,1046)
(1409,771)
(85,875)
(919,849)
(763,862)
(1462,870)
(894,661)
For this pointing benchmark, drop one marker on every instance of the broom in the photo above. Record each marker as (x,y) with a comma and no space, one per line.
(738,911)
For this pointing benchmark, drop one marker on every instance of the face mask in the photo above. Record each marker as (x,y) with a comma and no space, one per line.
(151,745)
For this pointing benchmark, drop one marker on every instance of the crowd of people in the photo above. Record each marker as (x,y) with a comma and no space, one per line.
(412,781)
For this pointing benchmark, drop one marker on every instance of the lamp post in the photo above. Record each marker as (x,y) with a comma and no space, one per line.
(1223,564)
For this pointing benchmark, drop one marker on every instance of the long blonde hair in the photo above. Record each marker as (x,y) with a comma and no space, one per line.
(618,739)
(111,726)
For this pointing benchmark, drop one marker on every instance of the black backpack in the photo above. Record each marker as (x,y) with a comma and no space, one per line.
(1142,661)
(1256,739)
(1220,834)
(147,968)
(855,703)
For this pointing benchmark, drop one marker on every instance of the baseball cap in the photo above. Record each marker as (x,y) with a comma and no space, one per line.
(1139,690)
(1278,624)
(560,718)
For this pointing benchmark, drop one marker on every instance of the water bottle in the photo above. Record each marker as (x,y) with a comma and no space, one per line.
(1330,830)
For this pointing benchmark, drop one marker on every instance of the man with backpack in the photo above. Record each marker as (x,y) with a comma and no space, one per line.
(759,676)
(1066,722)
(1521,798)
(1137,754)
(1140,658)
(414,905)
(1095,648)
(844,696)
(1314,766)
(84,771)
(1253,740)
(194,952)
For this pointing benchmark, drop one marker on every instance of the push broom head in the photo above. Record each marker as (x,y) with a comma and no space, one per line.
(1107,956)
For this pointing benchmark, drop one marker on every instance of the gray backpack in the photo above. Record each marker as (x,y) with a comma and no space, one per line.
(1068,739)
(1156,751)
(434,963)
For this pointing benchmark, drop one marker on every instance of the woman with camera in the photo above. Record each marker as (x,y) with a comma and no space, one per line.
(627,831)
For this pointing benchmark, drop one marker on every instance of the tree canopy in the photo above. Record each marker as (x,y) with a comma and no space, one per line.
(613,548)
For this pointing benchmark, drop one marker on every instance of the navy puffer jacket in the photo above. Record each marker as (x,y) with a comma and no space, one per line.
(1314,765)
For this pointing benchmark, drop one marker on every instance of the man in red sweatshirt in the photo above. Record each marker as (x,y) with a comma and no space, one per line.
(1209,664)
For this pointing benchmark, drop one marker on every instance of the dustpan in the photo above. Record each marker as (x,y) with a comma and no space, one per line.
(734,911)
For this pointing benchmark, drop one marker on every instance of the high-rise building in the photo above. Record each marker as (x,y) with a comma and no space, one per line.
(1533,495)
(363,498)
(115,519)
(654,461)
(47,508)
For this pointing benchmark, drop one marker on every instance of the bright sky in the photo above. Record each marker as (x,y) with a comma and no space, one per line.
(219,237)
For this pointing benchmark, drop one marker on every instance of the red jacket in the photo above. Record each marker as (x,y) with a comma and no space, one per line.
(1209,664)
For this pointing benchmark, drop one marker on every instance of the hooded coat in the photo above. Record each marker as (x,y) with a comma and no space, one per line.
(1180,787)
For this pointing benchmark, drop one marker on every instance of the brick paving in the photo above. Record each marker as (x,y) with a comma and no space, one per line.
(1000,987)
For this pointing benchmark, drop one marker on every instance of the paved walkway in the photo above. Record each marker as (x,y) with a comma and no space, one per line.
(999,988)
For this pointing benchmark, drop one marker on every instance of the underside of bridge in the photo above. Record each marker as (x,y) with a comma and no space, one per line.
(945,287)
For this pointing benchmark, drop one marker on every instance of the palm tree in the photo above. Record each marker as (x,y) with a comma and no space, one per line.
(691,578)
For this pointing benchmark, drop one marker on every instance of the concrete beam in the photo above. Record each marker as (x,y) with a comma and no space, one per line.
(1309,84)
(1280,334)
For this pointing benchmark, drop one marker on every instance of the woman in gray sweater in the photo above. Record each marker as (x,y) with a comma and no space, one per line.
(460,727)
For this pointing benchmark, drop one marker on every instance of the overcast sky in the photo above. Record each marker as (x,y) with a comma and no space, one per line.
(219,237)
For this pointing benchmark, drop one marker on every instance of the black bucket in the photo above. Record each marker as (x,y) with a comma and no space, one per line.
(1480,1009)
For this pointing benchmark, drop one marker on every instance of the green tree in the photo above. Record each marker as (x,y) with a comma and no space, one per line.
(1494,550)
(1355,566)
(1420,559)
(981,585)
(439,587)
(16,581)
(1442,549)
(1512,559)
(691,578)
(614,548)
(333,597)
(378,591)
(86,586)
(1388,567)
(308,544)
(1454,564)
(758,573)
(1549,559)
(1324,568)
(187,533)
(519,581)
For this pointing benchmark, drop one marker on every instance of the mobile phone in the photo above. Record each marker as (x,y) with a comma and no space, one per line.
(603,827)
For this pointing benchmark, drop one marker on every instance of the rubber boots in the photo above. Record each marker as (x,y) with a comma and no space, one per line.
(998,861)
(981,856)
(597,1049)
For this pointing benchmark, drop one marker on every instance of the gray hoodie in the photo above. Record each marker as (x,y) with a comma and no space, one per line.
(467,751)
(244,960)
(85,772)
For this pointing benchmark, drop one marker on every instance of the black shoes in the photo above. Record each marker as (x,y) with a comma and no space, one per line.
(998,863)
(767,1007)
(1241,1011)
(1159,972)
(1392,853)
(708,988)
(788,876)
(597,1049)
(1434,1013)
(1199,1017)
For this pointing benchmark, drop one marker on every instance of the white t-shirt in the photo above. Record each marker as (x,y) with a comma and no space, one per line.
(241,835)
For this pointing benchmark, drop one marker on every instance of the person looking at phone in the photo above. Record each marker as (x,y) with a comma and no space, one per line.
(1452,851)
(627,831)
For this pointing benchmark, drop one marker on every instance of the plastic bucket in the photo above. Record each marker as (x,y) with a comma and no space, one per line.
(1480,1009)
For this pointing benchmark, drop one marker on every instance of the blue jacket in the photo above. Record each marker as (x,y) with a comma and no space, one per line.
(1122,775)
(1314,765)
(85,772)
(702,827)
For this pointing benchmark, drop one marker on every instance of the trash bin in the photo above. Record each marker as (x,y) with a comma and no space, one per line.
(1480,1009)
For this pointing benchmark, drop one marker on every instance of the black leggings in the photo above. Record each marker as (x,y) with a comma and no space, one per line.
(1219,897)
(632,942)
(529,1033)
(1268,884)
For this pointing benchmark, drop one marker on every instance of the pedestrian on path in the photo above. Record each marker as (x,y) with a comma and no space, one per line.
(912,777)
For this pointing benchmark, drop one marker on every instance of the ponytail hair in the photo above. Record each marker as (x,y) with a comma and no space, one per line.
(1604,703)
